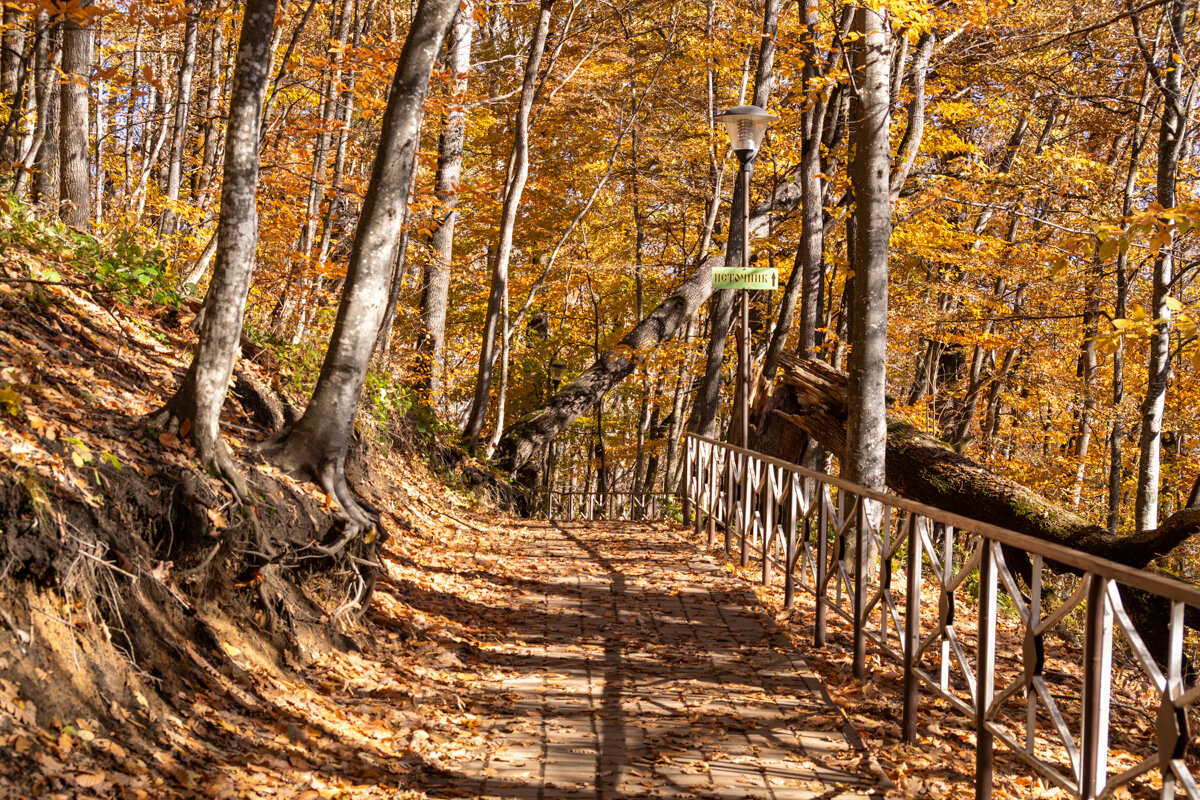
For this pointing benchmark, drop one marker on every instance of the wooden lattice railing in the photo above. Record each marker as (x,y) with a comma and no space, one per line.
(612,505)
(809,526)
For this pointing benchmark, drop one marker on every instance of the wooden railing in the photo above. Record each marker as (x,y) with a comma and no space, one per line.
(809,526)
(614,505)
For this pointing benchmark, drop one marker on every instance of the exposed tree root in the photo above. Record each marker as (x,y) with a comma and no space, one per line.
(174,418)
(356,517)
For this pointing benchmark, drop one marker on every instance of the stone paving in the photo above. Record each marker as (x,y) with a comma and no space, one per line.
(633,666)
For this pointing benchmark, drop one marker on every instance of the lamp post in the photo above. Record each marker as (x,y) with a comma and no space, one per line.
(746,126)
(556,370)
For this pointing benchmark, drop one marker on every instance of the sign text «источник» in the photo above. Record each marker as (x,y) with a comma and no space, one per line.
(753,278)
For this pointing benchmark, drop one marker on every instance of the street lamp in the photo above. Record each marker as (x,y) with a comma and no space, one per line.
(556,370)
(746,126)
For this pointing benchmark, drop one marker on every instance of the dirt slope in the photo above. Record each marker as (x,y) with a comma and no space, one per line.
(139,604)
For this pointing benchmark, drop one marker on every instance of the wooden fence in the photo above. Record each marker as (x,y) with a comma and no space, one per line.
(810,526)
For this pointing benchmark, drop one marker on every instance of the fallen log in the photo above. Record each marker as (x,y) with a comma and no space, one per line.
(924,469)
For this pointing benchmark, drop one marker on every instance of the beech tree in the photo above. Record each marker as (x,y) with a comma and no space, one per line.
(1003,257)
(74,152)
(183,101)
(435,293)
(866,426)
(193,413)
(1169,79)
(513,188)
(316,446)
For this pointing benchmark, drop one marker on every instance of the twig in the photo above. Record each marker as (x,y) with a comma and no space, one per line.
(68,284)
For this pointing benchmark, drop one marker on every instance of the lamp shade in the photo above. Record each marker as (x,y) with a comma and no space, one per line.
(557,368)
(746,126)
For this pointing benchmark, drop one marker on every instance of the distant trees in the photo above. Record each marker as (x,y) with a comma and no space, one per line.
(566,199)
(496,318)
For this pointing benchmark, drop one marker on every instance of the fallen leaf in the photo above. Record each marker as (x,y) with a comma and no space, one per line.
(89,780)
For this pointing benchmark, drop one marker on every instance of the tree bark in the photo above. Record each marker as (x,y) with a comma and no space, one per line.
(208,158)
(75,152)
(1116,468)
(508,219)
(1170,141)
(914,130)
(435,294)
(194,411)
(867,421)
(345,117)
(183,101)
(316,447)
(13,70)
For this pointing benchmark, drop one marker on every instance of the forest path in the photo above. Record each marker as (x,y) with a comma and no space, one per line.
(635,666)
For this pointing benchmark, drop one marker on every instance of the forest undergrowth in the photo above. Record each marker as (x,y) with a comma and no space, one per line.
(157,637)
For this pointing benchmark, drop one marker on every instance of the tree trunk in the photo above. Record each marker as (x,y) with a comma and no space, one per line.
(435,294)
(127,149)
(1170,141)
(208,159)
(1087,377)
(867,423)
(99,136)
(508,219)
(13,70)
(74,128)
(194,411)
(1116,469)
(183,100)
(502,394)
(383,340)
(914,129)
(45,190)
(805,281)
(317,445)
(345,117)
(284,62)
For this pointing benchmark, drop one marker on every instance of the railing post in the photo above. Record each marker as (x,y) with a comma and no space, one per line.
(912,629)
(789,542)
(1097,667)
(747,510)
(985,663)
(711,520)
(860,590)
(768,499)
(698,478)
(821,499)
(686,501)
(730,499)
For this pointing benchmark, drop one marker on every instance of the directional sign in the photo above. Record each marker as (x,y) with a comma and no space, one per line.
(752,278)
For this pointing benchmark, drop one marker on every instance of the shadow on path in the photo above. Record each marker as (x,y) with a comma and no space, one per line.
(625,664)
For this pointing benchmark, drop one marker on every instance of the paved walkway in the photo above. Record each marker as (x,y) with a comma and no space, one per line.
(632,666)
